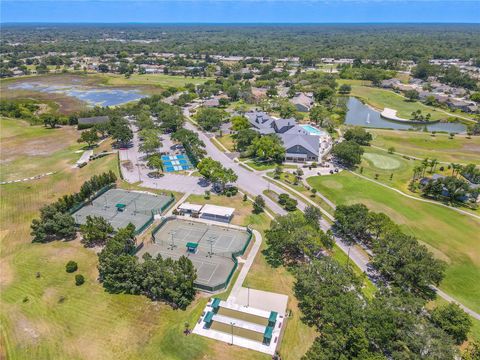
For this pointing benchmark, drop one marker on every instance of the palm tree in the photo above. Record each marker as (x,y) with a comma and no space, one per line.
(425,163)
(416,171)
(433,165)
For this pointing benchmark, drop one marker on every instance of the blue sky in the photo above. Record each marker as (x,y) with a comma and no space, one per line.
(240,11)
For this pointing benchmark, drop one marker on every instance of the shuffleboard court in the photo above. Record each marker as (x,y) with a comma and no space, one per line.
(209,247)
(121,207)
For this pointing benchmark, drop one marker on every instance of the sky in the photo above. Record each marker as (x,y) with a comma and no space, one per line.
(240,11)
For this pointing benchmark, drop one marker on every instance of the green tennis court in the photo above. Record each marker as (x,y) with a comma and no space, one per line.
(121,207)
(209,247)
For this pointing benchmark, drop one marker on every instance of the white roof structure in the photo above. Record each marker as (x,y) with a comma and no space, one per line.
(190,207)
(216,210)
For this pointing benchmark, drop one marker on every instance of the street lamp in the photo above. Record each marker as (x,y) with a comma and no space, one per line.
(172,245)
(232,323)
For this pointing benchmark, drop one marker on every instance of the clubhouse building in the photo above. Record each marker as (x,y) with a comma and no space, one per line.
(302,142)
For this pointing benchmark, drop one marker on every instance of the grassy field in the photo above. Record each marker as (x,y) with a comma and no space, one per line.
(160,80)
(227,141)
(33,150)
(451,236)
(263,165)
(48,317)
(288,180)
(381,98)
(460,149)
(380,165)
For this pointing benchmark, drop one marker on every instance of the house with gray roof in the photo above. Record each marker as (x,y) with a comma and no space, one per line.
(299,144)
(303,101)
(300,147)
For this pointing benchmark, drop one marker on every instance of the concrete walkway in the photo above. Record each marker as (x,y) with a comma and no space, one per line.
(85,157)
(246,267)
(452,300)
(36,177)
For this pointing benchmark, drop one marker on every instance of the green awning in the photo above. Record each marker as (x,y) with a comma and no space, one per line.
(273,317)
(192,245)
(209,317)
(216,303)
(268,333)
(120,206)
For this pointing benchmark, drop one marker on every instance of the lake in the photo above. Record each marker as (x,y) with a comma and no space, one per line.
(361,115)
(90,95)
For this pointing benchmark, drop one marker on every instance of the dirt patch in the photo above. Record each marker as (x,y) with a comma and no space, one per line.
(42,109)
(27,331)
(471,147)
(51,296)
(127,164)
(6,272)
(85,347)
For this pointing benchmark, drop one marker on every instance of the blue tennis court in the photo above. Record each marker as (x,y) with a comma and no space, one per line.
(176,162)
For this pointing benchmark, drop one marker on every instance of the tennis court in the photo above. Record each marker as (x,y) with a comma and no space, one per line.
(209,247)
(121,207)
(178,162)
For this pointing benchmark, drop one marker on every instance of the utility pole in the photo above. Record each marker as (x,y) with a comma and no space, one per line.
(232,323)
(172,245)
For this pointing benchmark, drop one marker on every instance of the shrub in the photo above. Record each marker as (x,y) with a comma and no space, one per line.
(71,266)
(79,279)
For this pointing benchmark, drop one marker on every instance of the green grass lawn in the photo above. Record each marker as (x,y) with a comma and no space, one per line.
(160,80)
(227,141)
(288,180)
(451,236)
(381,98)
(267,165)
(48,317)
(47,150)
(380,165)
(460,149)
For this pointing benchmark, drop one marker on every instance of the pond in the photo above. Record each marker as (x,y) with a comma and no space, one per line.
(361,115)
(90,95)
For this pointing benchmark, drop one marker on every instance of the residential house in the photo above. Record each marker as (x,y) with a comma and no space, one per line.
(389,83)
(467,106)
(303,101)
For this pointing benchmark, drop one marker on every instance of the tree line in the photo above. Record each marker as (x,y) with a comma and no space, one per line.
(351,323)
(120,271)
(399,259)
(310,42)
(55,221)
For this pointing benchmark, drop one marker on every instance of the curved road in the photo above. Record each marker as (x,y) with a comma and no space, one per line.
(254,184)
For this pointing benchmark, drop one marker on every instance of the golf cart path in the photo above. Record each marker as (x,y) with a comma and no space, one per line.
(416,198)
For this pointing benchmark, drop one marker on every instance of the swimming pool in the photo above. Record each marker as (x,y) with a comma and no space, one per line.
(313,130)
(178,162)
